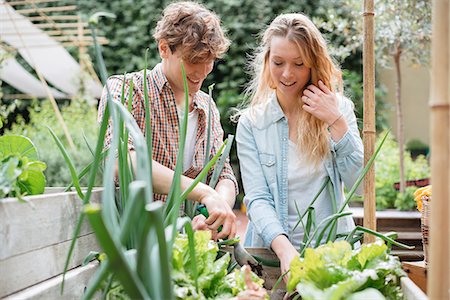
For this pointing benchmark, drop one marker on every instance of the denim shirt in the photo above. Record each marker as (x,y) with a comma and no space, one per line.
(262,138)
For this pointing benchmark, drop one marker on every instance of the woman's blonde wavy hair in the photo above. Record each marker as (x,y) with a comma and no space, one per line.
(313,138)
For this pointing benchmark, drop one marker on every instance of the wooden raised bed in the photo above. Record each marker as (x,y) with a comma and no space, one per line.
(35,239)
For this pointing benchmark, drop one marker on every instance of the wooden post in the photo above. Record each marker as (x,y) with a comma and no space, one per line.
(81,47)
(439,266)
(369,133)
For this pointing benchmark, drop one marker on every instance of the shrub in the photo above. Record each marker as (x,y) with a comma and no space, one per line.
(387,173)
(80,118)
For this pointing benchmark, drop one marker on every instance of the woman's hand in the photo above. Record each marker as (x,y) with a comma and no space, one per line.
(253,291)
(285,252)
(198,223)
(321,103)
(324,105)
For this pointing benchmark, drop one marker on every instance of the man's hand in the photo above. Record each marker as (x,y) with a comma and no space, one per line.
(220,213)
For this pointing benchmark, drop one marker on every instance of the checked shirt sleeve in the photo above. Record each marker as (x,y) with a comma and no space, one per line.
(115,87)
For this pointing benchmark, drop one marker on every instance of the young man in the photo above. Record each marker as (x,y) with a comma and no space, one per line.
(188,33)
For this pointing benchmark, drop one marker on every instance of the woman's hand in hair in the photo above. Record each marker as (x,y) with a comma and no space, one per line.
(321,103)
(324,105)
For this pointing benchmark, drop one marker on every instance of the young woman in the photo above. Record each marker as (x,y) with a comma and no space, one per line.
(295,134)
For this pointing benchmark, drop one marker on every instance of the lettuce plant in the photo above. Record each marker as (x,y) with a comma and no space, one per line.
(335,271)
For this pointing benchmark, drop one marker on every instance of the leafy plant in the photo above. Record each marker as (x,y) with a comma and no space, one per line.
(213,280)
(81,120)
(335,271)
(353,88)
(387,173)
(21,172)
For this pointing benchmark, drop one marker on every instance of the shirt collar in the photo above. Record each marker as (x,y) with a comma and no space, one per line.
(275,111)
(158,77)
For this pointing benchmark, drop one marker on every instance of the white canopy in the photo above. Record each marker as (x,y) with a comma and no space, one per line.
(43,53)
(15,75)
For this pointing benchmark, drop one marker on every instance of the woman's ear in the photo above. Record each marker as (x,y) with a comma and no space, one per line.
(164,49)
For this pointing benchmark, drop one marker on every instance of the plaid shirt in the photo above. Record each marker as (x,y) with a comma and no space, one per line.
(165,122)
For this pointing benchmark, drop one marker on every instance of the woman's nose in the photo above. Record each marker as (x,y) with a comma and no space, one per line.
(287,72)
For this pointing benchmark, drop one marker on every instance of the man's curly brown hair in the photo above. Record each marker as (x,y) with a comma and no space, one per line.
(192,29)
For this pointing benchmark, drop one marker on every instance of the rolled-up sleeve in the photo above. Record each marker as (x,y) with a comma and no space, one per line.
(349,151)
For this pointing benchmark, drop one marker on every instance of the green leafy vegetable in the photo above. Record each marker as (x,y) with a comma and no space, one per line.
(213,281)
(335,271)
(21,173)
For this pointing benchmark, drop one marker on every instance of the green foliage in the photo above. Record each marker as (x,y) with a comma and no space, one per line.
(334,271)
(21,173)
(387,173)
(416,144)
(81,121)
(353,88)
(405,25)
(399,24)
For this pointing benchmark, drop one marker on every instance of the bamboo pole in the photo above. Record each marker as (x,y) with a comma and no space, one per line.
(54,18)
(369,134)
(28,2)
(438,285)
(46,9)
(60,25)
(41,18)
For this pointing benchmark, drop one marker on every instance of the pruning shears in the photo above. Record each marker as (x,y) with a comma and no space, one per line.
(241,255)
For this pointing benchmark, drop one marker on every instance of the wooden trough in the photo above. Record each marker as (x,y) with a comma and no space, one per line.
(36,236)
(35,239)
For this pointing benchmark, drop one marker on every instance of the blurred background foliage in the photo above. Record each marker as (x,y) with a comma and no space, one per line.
(81,120)
(130,34)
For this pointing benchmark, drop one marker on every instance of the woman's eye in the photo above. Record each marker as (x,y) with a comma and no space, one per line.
(299,65)
(277,63)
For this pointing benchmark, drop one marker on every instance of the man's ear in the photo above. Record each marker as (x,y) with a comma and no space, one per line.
(164,49)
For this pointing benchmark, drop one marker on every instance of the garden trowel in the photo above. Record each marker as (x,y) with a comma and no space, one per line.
(241,255)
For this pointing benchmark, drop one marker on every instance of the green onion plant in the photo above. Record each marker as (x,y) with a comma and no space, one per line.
(135,232)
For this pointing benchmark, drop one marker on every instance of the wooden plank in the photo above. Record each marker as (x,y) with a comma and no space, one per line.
(45,220)
(21,271)
(75,282)
(417,272)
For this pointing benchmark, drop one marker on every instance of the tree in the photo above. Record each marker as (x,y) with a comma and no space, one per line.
(402,33)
